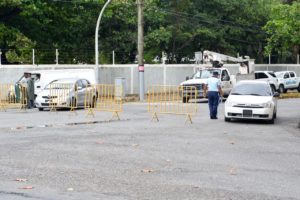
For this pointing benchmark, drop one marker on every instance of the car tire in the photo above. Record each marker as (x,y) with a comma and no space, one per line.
(272,121)
(93,105)
(298,88)
(185,99)
(281,89)
(273,88)
(41,109)
(73,103)
(227,119)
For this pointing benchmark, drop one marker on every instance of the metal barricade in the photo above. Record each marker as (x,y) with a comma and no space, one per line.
(13,96)
(164,99)
(104,97)
(63,95)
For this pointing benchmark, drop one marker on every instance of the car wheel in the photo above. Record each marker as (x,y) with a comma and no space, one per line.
(227,119)
(273,88)
(185,99)
(271,121)
(41,109)
(281,89)
(298,88)
(93,105)
(73,103)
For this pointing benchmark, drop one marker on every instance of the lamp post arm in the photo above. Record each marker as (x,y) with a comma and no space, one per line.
(96,38)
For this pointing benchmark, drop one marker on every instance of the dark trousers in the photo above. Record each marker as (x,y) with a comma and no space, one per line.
(213,102)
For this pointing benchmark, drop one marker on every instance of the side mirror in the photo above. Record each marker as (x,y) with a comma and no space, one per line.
(276,94)
(187,78)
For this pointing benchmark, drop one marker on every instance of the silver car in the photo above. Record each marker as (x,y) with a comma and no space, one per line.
(67,93)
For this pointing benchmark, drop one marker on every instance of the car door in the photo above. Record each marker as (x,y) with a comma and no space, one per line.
(226,83)
(80,93)
(293,80)
(287,81)
(88,96)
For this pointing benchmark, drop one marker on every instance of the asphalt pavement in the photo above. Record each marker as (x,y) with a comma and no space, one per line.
(62,156)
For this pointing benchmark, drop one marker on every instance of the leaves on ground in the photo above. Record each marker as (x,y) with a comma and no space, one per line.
(147,170)
(233,171)
(21,179)
(28,187)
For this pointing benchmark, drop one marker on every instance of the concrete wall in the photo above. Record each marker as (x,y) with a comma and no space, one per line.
(154,74)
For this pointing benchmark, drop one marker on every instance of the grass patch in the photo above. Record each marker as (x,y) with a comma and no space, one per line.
(290,95)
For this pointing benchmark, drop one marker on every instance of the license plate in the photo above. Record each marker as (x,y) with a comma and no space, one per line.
(247,113)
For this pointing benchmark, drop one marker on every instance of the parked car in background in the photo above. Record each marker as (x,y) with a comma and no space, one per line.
(66,92)
(251,99)
(288,80)
(268,76)
(199,79)
(42,78)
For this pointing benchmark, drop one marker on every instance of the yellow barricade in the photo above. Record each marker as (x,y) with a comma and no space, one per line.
(169,100)
(104,97)
(63,95)
(13,96)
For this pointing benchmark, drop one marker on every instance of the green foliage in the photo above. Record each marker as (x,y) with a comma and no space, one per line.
(177,27)
(284,29)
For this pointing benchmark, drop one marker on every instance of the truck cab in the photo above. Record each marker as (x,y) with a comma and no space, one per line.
(288,80)
(199,79)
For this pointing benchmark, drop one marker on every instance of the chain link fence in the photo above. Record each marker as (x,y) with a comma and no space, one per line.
(87,56)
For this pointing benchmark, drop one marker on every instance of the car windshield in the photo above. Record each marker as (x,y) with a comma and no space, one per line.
(272,74)
(280,74)
(255,89)
(205,73)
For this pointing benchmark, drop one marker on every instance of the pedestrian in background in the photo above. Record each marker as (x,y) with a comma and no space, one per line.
(29,85)
(213,91)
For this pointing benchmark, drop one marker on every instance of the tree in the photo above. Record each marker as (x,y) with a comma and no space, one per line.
(284,30)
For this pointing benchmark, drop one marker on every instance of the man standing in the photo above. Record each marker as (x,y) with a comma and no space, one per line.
(29,85)
(213,91)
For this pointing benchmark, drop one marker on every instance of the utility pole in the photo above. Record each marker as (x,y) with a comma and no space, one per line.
(140,8)
(33,57)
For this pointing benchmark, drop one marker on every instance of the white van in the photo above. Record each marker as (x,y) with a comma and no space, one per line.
(44,77)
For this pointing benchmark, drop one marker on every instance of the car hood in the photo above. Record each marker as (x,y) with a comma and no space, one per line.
(44,92)
(194,81)
(249,99)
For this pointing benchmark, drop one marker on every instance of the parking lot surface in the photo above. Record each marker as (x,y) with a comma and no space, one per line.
(63,156)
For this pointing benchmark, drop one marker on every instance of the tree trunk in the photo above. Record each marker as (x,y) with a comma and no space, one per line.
(4,60)
(295,53)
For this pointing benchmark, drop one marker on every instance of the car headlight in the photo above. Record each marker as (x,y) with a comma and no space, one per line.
(267,105)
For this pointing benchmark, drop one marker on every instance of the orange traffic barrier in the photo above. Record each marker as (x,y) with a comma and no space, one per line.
(104,97)
(13,96)
(164,99)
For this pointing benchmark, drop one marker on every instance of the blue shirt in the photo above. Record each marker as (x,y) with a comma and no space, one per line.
(213,84)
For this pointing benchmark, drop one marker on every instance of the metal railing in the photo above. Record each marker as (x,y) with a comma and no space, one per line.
(13,96)
(62,95)
(164,99)
(104,97)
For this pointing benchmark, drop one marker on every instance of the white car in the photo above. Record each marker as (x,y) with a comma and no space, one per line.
(66,92)
(268,76)
(251,99)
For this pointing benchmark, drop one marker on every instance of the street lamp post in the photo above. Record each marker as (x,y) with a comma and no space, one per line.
(96,41)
